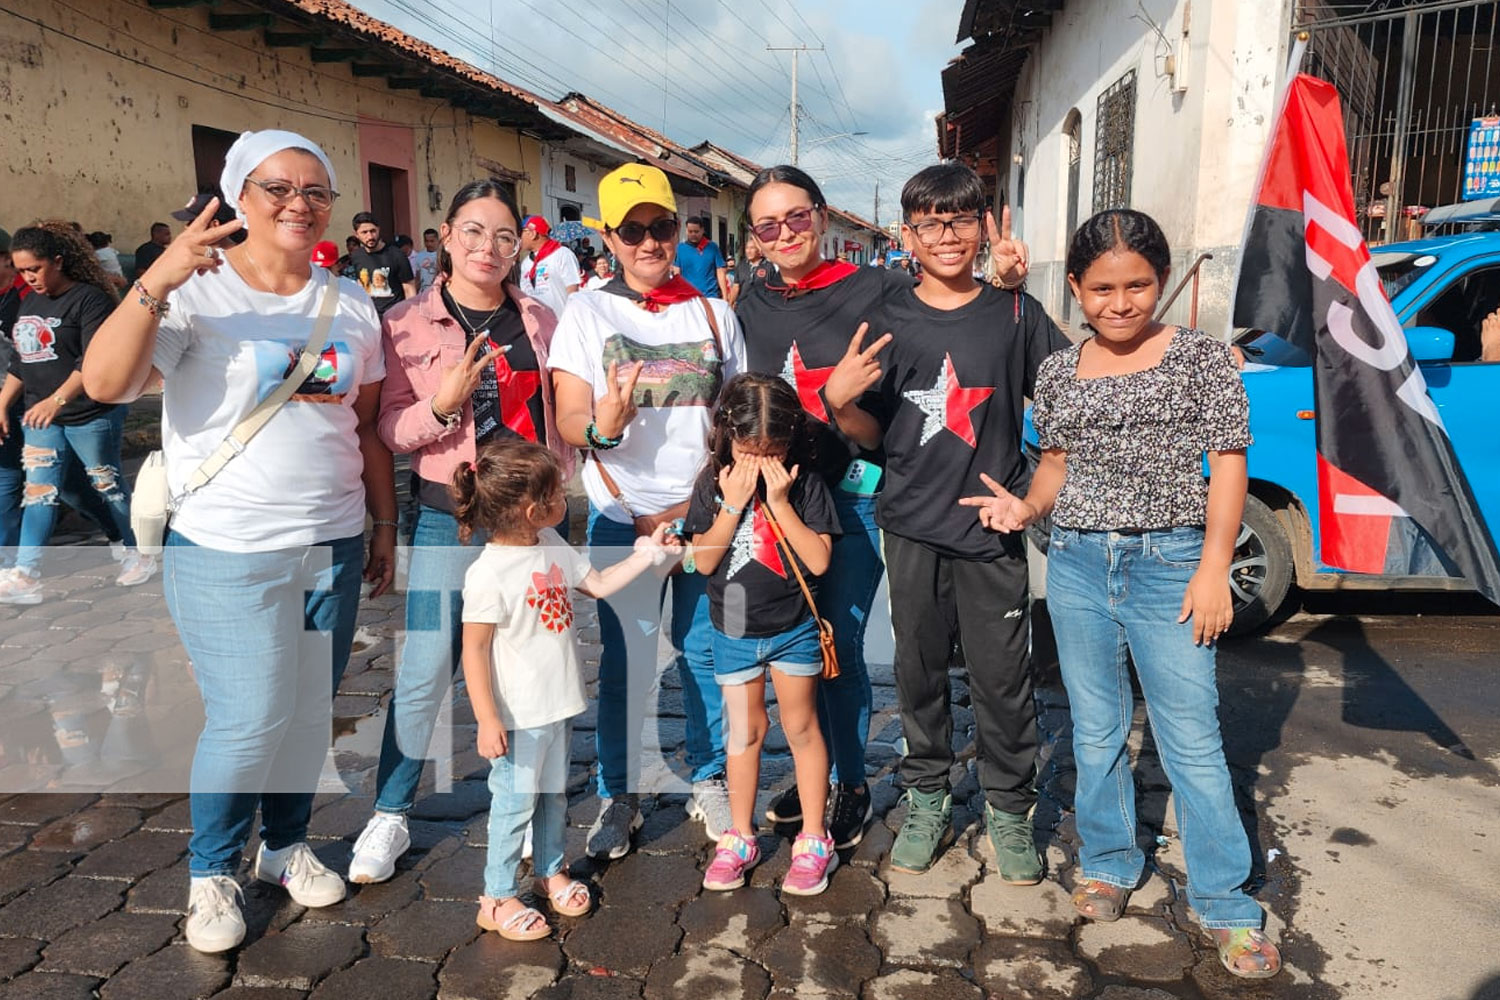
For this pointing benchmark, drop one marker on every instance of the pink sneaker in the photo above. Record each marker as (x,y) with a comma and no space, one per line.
(813,861)
(734,856)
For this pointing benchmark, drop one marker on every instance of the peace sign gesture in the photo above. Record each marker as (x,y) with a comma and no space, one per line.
(460,381)
(856,371)
(614,410)
(192,252)
(1009,256)
(1004,512)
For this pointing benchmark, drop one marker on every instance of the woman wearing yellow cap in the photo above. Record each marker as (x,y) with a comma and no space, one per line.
(637,366)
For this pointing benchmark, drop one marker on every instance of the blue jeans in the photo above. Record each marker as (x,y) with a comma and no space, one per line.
(742,659)
(528,787)
(268,634)
(845,594)
(12,487)
(431,653)
(627,666)
(48,454)
(1112,593)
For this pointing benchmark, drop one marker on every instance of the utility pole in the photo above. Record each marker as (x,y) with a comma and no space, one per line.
(795,50)
(877,204)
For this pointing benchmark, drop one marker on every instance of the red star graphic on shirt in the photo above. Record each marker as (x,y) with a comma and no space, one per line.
(948,405)
(516,391)
(755,540)
(807,381)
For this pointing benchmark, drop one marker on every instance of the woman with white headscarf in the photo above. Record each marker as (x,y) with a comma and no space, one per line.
(263,562)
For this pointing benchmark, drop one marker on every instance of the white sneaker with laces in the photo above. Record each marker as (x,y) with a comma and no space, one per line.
(135,569)
(297,869)
(19,587)
(710,803)
(214,920)
(384,839)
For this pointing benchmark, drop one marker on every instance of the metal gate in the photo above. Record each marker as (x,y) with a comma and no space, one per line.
(1414,77)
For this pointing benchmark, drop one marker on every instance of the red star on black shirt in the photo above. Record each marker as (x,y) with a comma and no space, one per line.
(516,392)
(808,382)
(948,404)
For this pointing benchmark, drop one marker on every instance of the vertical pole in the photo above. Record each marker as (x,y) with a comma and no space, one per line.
(1404,95)
(877,204)
(795,53)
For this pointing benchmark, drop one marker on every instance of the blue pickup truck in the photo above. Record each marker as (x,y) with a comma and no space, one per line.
(1441,289)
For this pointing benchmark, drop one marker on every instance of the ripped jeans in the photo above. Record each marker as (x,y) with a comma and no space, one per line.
(46,456)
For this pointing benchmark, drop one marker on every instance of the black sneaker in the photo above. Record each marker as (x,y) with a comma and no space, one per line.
(851,812)
(785,808)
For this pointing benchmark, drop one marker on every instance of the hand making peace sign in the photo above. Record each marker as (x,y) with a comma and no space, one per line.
(192,252)
(460,381)
(614,410)
(1010,257)
(856,371)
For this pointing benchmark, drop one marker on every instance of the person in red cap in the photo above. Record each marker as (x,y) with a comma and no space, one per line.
(326,254)
(549,271)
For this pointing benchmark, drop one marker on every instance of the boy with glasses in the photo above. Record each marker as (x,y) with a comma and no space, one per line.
(962,357)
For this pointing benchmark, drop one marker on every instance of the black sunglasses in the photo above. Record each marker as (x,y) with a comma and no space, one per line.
(632,234)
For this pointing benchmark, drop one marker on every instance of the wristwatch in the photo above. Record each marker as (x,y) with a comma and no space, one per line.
(60,399)
(448,420)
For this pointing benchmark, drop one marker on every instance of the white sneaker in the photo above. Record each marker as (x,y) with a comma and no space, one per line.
(384,839)
(135,569)
(118,551)
(214,921)
(710,803)
(19,587)
(297,869)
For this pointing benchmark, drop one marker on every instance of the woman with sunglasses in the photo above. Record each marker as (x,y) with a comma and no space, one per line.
(637,367)
(465,364)
(798,317)
(263,562)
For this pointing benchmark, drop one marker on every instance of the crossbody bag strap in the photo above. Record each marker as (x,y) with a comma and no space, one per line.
(791,558)
(257,418)
(713,324)
(610,484)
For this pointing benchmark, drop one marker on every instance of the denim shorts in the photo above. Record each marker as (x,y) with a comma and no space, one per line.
(795,652)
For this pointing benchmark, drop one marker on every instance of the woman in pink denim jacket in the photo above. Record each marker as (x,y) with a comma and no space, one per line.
(466,363)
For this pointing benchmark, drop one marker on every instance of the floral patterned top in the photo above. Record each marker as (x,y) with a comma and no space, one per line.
(1135,442)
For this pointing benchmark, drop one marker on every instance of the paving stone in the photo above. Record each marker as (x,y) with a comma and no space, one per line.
(925,932)
(648,883)
(735,921)
(874,846)
(26,870)
(102,947)
(144,801)
(13,838)
(268,909)
(41,807)
(580,987)
(821,959)
(667,830)
(775,859)
(387,978)
(135,856)
(49,986)
(492,968)
(341,819)
(299,956)
(1036,911)
(257,993)
(707,972)
(163,891)
(177,971)
(948,877)
(619,939)
(426,930)
(1155,897)
(908,984)
(851,894)
(1134,993)
(1030,970)
(67,903)
(86,829)
(176,817)
(17,955)
(1141,948)
(365,904)
(468,798)
(459,875)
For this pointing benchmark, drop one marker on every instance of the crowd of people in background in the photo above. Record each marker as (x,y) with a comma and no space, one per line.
(770,434)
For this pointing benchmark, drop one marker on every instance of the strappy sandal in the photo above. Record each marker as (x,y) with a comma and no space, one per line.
(526,924)
(1099,900)
(558,900)
(1238,943)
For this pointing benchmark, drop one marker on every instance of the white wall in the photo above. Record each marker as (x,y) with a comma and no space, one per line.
(554,183)
(1198,138)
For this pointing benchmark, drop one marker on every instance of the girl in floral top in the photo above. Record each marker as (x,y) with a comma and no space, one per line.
(1139,562)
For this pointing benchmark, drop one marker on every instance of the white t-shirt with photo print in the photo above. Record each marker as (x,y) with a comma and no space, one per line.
(664,446)
(222,348)
(526,592)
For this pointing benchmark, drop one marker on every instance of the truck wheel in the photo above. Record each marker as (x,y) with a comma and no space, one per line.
(1260,575)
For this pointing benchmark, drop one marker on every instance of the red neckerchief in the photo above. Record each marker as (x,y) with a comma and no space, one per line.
(672,292)
(701,245)
(829,272)
(21,286)
(536,258)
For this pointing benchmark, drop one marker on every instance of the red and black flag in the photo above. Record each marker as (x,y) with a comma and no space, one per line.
(1387,473)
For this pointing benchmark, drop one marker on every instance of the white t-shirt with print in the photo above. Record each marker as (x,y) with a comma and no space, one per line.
(555,273)
(526,592)
(222,348)
(664,446)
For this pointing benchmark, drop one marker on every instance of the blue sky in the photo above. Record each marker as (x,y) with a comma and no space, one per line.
(700,70)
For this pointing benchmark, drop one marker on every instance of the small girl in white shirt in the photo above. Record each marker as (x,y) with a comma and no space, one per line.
(522,668)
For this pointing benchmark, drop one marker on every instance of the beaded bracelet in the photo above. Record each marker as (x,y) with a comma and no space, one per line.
(599,441)
(155,306)
(384,524)
(731,508)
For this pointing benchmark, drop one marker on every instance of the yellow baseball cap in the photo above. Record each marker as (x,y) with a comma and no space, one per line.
(634,184)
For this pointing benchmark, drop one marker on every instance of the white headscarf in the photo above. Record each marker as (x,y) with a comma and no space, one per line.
(252,149)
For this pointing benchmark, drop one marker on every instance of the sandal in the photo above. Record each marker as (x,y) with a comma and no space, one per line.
(1239,943)
(526,924)
(1100,900)
(559,899)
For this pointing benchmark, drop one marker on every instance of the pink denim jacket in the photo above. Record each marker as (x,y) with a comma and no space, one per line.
(421,342)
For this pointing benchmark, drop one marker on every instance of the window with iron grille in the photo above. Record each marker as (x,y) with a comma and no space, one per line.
(1112,145)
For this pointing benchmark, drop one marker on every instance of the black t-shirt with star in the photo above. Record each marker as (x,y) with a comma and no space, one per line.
(753,592)
(48,339)
(802,337)
(954,390)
